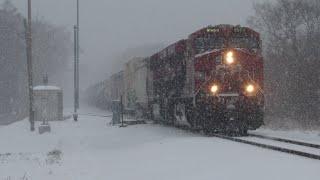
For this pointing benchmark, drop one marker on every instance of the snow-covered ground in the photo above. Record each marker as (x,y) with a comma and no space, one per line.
(91,149)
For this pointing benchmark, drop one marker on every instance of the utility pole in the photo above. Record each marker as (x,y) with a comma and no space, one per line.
(29,65)
(78,53)
(121,104)
(75,114)
(76,66)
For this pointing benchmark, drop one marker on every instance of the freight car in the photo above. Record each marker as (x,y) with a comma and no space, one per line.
(117,85)
(135,87)
(99,95)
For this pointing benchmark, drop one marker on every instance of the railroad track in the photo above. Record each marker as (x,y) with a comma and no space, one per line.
(274,147)
(316,146)
(95,115)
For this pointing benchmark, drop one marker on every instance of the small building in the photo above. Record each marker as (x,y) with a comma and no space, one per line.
(48,103)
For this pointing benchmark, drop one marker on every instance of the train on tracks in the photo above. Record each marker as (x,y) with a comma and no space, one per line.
(212,81)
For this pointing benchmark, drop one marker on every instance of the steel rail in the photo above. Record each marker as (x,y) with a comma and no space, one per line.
(95,115)
(317,146)
(271,147)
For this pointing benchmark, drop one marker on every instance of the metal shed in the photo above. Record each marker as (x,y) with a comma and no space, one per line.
(48,103)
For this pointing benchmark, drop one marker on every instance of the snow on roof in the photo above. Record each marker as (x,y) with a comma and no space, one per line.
(207,52)
(216,50)
(46,88)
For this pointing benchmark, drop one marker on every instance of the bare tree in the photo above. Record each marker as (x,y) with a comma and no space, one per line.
(12,66)
(291,30)
(52,50)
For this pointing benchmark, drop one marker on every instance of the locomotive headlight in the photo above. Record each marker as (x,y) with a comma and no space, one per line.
(214,89)
(229,58)
(250,88)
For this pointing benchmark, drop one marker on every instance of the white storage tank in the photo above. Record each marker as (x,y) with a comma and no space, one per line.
(48,103)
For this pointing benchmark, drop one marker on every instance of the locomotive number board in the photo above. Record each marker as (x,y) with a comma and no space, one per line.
(213,30)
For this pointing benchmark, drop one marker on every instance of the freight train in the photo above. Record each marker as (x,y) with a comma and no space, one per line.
(212,81)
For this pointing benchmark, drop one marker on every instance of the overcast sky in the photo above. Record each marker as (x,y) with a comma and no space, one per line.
(111,26)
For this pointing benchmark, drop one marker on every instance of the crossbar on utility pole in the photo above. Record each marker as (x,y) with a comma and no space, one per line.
(28,30)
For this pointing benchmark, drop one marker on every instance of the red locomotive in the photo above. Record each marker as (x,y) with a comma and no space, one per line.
(213,81)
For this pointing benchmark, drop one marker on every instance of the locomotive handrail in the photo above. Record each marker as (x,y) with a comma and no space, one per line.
(259,88)
(202,86)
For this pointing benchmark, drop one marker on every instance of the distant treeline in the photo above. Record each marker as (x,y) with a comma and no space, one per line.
(51,52)
(291,32)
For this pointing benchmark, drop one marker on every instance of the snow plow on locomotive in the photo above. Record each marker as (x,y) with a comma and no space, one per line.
(211,81)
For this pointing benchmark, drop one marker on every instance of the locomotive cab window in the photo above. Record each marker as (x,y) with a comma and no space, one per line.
(209,42)
(244,42)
